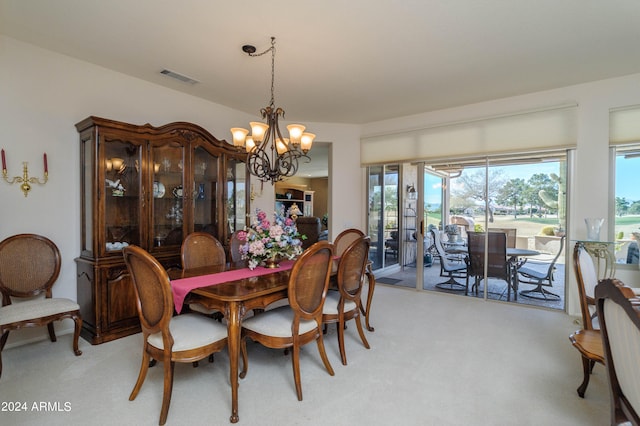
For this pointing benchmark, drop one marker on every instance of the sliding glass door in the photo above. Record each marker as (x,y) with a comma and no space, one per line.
(384,218)
(522,197)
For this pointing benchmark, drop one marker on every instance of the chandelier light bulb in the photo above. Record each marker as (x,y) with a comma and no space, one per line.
(239,135)
(250,144)
(258,130)
(306,141)
(295,133)
(281,145)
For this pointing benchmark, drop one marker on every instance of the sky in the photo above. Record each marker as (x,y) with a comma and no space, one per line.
(627,177)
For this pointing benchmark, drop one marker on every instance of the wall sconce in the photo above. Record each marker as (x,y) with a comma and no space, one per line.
(412,194)
(254,194)
(25,180)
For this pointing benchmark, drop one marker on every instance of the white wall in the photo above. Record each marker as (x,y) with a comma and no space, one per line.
(589,194)
(44,94)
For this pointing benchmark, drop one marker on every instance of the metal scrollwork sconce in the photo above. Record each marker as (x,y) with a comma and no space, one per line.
(24,180)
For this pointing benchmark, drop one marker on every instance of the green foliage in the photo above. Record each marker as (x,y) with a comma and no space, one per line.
(620,235)
(478,227)
(547,230)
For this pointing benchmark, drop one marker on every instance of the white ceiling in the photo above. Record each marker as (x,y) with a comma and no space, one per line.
(352,61)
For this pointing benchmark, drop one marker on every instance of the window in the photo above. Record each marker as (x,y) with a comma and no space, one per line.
(627,203)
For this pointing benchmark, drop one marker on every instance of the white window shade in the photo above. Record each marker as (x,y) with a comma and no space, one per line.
(548,129)
(624,126)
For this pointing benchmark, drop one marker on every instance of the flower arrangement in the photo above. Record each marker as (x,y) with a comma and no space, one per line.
(270,241)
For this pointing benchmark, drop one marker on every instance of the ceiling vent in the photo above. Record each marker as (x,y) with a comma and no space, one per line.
(182,78)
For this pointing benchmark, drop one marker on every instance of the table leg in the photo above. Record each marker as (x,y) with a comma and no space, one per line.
(233,345)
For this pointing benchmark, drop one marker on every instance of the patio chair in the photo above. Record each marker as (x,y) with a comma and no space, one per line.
(539,274)
(451,265)
(498,265)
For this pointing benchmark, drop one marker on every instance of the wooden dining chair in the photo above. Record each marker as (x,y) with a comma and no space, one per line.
(235,247)
(169,339)
(300,322)
(29,267)
(345,239)
(346,304)
(202,249)
(619,312)
(587,340)
(340,244)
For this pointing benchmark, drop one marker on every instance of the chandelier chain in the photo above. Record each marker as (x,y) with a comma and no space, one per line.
(272,49)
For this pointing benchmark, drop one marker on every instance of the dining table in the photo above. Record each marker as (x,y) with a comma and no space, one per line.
(234,290)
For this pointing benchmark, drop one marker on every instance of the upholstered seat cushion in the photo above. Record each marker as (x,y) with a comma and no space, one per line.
(191,331)
(331,304)
(36,308)
(277,322)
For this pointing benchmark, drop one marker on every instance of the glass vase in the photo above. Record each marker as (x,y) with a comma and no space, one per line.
(593,228)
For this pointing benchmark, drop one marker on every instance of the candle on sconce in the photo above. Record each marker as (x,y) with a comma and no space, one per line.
(4,161)
(46,166)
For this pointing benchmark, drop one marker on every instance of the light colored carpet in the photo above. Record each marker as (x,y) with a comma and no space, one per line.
(435,359)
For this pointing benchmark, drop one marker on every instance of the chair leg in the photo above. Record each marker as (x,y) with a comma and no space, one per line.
(52,332)
(76,334)
(3,340)
(341,327)
(295,363)
(245,358)
(323,355)
(361,332)
(587,365)
(142,375)
(168,388)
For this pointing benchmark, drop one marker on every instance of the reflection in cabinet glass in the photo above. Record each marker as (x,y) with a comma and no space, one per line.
(148,186)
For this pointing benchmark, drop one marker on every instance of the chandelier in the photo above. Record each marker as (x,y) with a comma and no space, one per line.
(270,156)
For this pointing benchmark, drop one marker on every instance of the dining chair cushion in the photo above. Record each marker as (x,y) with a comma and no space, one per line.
(37,308)
(277,322)
(331,304)
(190,331)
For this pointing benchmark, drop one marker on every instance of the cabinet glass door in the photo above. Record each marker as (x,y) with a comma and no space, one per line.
(121,194)
(167,222)
(236,195)
(204,190)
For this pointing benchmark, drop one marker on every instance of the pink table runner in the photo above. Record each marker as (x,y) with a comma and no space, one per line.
(182,286)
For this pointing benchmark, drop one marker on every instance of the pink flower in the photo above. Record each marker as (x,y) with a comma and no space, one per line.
(241,235)
(288,222)
(261,216)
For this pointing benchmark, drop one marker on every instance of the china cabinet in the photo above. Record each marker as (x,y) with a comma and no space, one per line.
(148,186)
